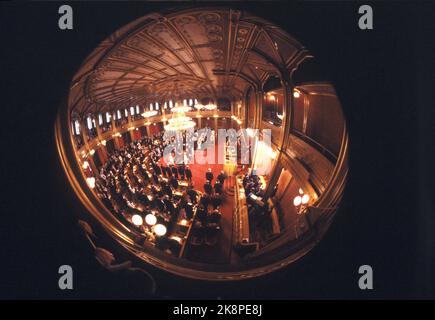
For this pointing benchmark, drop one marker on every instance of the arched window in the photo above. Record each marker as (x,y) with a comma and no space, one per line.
(77,126)
(89,122)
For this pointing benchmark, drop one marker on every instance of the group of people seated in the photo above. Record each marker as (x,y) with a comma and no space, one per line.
(257,210)
(136,181)
(252,184)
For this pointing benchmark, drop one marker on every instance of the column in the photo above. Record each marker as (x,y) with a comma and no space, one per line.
(259,109)
(115,139)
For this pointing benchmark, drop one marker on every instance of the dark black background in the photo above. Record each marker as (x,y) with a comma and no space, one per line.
(384,80)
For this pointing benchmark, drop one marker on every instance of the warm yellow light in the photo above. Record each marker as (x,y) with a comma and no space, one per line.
(215,116)
(131,128)
(91,152)
(301,191)
(210,106)
(91,182)
(181,109)
(305,198)
(103,142)
(297,201)
(178,239)
(180,123)
(160,229)
(85,165)
(149,113)
(183,222)
(150,219)
(296,94)
(137,220)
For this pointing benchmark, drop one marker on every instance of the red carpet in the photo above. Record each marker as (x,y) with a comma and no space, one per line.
(222,251)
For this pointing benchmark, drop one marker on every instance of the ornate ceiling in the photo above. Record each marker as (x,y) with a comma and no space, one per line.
(198,53)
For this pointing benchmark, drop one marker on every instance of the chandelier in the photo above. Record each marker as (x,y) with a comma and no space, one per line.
(180,122)
(150,113)
(210,106)
(181,109)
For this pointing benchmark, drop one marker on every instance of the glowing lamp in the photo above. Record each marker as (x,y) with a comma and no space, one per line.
(137,220)
(149,113)
(305,198)
(85,165)
(91,182)
(150,219)
(297,201)
(296,94)
(301,191)
(160,229)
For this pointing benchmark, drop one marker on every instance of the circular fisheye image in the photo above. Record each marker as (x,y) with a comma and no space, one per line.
(191,141)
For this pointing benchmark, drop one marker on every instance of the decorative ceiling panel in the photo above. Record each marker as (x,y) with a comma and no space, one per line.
(196,52)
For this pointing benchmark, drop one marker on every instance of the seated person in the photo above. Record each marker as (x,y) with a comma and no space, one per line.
(189,210)
(181,171)
(216,201)
(218,187)
(163,169)
(205,200)
(214,217)
(192,194)
(208,189)
(174,171)
(174,182)
(201,214)
(167,190)
(188,173)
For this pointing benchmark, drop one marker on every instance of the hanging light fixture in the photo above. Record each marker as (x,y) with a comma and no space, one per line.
(210,106)
(198,106)
(180,122)
(150,113)
(181,109)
